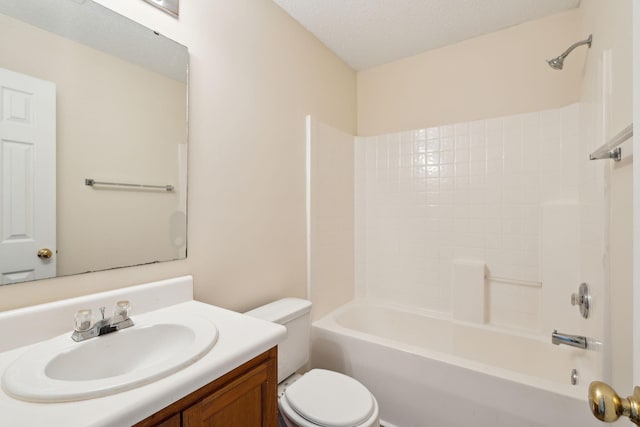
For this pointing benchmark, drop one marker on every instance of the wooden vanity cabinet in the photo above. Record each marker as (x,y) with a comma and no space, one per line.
(244,397)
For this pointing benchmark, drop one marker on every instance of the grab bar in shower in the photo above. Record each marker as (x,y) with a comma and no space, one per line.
(518,282)
(91,182)
(611,149)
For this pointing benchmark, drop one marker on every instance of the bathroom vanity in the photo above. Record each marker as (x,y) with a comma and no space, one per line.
(232,384)
(245,396)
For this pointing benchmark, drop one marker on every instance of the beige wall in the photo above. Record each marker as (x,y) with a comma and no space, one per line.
(254,75)
(104,229)
(498,74)
(610,22)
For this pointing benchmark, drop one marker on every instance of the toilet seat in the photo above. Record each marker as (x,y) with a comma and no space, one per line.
(330,399)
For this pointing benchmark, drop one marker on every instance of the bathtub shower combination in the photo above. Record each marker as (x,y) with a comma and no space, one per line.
(470,240)
(426,370)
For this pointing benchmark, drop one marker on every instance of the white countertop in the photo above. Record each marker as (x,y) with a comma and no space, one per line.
(240,339)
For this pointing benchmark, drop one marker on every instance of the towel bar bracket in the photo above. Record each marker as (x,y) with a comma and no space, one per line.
(611,149)
(616,154)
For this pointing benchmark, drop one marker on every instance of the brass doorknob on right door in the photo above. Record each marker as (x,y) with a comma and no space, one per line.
(607,406)
(45,253)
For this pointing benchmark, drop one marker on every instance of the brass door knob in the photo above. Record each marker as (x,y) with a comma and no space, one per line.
(607,406)
(45,253)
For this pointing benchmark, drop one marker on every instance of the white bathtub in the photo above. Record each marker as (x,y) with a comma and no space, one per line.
(427,370)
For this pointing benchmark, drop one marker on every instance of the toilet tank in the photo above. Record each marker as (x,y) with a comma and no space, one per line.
(295,315)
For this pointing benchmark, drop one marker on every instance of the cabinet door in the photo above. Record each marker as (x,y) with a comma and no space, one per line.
(248,401)
(174,421)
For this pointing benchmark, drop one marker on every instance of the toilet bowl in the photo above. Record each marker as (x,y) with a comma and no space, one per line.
(328,399)
(319,398)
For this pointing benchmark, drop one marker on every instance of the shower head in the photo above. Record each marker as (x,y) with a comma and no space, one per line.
(558,62)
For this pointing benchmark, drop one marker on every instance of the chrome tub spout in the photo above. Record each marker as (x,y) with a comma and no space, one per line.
(578,341)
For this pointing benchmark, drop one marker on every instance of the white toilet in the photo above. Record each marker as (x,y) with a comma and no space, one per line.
(319,397)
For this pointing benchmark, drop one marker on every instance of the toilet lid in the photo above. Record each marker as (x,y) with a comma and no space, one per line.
(330,399)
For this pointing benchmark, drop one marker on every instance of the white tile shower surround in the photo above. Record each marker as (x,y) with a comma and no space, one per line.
(478,191)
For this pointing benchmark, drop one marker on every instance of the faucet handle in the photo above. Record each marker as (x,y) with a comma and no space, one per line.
(122,309)
(83,319)
(582,299)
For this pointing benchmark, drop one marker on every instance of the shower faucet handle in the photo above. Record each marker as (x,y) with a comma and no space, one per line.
(582,299)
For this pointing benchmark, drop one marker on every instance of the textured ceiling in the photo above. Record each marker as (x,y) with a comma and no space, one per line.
(366,33)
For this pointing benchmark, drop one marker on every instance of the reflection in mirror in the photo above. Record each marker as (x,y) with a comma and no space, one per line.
(172,7)
(88,94)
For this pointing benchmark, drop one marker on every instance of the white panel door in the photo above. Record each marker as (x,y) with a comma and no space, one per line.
(27,177)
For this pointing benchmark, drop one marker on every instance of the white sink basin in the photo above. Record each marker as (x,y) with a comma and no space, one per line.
(60,369)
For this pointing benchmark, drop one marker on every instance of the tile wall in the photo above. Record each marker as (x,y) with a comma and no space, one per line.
(473,191)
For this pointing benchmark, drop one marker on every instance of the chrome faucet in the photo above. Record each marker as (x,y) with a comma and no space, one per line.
(558,338)
(85,328)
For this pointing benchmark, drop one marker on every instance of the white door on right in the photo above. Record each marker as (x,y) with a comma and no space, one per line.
(27,178)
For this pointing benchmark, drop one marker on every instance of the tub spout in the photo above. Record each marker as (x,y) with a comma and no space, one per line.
(558,338)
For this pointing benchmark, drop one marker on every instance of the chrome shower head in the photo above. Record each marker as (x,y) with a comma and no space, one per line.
(558,62)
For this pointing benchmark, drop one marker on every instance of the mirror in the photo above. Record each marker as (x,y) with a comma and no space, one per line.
(87,94)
